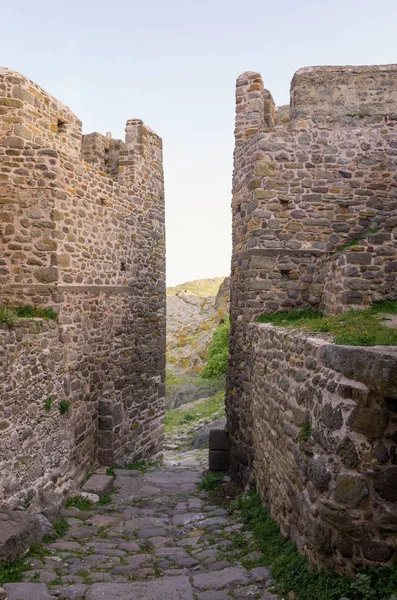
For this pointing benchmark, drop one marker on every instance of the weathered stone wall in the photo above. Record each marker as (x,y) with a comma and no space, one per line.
(334,494)
(82,230)
(314,216)
(309,181)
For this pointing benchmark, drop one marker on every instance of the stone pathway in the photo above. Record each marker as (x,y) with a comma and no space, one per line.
(159,539)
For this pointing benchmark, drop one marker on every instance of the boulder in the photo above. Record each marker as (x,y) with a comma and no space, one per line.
(48,504)
(18,532)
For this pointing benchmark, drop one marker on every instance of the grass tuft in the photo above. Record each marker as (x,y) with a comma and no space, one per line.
(61,528)
(11,571)
(64,407)
(306,432)
(353,328)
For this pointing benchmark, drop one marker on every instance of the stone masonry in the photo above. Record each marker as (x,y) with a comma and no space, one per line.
(314,225)
(81,231)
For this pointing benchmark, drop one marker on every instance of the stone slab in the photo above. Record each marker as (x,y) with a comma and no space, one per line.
(27,591)
(218,579)
(98,484)
(18,532)
(166,588)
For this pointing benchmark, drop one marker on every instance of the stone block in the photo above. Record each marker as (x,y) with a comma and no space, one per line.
(218,460)
(98,484)
(375,367)
(218,439)
(18,532)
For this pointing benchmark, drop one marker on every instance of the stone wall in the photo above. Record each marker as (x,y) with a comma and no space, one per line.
(82,231)
(314,212)
(334,494)
(314,206)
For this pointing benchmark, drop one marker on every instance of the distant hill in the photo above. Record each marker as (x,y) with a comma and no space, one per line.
(202,288)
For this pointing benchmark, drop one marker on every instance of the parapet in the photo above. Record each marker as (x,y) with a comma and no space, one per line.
(344,91)
(33,119)
(320,94)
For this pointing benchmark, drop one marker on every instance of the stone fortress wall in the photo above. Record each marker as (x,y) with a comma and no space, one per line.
(82,231)
(315,225)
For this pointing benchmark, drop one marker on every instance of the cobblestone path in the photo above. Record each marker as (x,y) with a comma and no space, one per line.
(159,539)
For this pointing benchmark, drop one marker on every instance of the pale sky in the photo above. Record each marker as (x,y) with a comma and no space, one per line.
(174,64)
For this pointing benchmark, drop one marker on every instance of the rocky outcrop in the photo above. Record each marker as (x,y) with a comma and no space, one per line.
(194,311)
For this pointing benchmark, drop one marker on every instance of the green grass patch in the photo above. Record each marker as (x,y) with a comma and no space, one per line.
(211,408)
(211,482)
(10,314)
(105,500)
(61,528)
(217,353)
(64,407)
(48,403)
(292,572)
(78,502)
(306,432)
(353,328)
(11,571)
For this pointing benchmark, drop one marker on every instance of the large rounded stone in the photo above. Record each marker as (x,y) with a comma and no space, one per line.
(348,453)
(350,490)
(385,484)
(318,473)
(370,422)
(332,417)
(378,551)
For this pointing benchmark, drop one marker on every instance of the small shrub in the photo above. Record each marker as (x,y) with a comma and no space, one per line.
(8,316)
(64,407)
(48,403)
(217,355)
